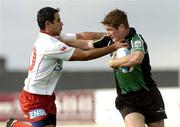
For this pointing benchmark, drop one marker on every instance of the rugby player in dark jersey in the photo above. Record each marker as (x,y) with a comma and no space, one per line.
(138,98)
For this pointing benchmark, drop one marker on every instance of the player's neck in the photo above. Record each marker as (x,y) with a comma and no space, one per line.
(47,32)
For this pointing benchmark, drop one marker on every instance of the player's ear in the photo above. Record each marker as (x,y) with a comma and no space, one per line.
(47,24)
(121,28)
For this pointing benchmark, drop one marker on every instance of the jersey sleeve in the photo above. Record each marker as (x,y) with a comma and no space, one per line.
(60,51)
(137,44)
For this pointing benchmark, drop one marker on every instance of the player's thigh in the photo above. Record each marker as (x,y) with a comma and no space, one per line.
(134,119)
(156,124)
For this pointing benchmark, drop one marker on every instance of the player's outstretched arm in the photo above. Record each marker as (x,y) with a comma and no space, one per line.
(80,55)
(81,36)
(90,35)
(72,40)
(89,44)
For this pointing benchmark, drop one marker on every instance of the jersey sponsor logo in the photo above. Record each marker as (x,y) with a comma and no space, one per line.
(160,110)
(137,44)
(37,113)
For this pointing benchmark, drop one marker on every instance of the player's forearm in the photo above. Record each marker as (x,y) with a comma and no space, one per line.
(98,52)
(81,40)
(81,44)
(127,61)
(89,44)
(90,35)
(122,62)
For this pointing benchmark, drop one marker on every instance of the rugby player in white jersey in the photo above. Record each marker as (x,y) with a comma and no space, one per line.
(37,99)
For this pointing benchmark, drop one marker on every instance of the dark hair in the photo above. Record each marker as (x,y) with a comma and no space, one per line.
(116,17)
(45,14)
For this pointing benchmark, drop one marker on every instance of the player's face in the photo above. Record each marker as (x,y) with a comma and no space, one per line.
(115,34)
(56,26)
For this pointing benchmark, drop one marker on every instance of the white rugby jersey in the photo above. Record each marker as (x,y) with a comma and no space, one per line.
(46,64)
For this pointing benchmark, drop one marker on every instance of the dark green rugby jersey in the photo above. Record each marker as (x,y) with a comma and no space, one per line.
(140,77)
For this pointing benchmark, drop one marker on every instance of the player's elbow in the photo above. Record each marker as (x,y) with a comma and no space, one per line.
(80,55)
(136,60)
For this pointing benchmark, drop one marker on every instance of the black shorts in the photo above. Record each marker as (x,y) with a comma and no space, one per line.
(148,103)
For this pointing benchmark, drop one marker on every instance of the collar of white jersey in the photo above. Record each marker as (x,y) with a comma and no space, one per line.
(47,35)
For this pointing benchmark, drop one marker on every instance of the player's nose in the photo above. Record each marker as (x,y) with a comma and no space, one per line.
(61,23)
